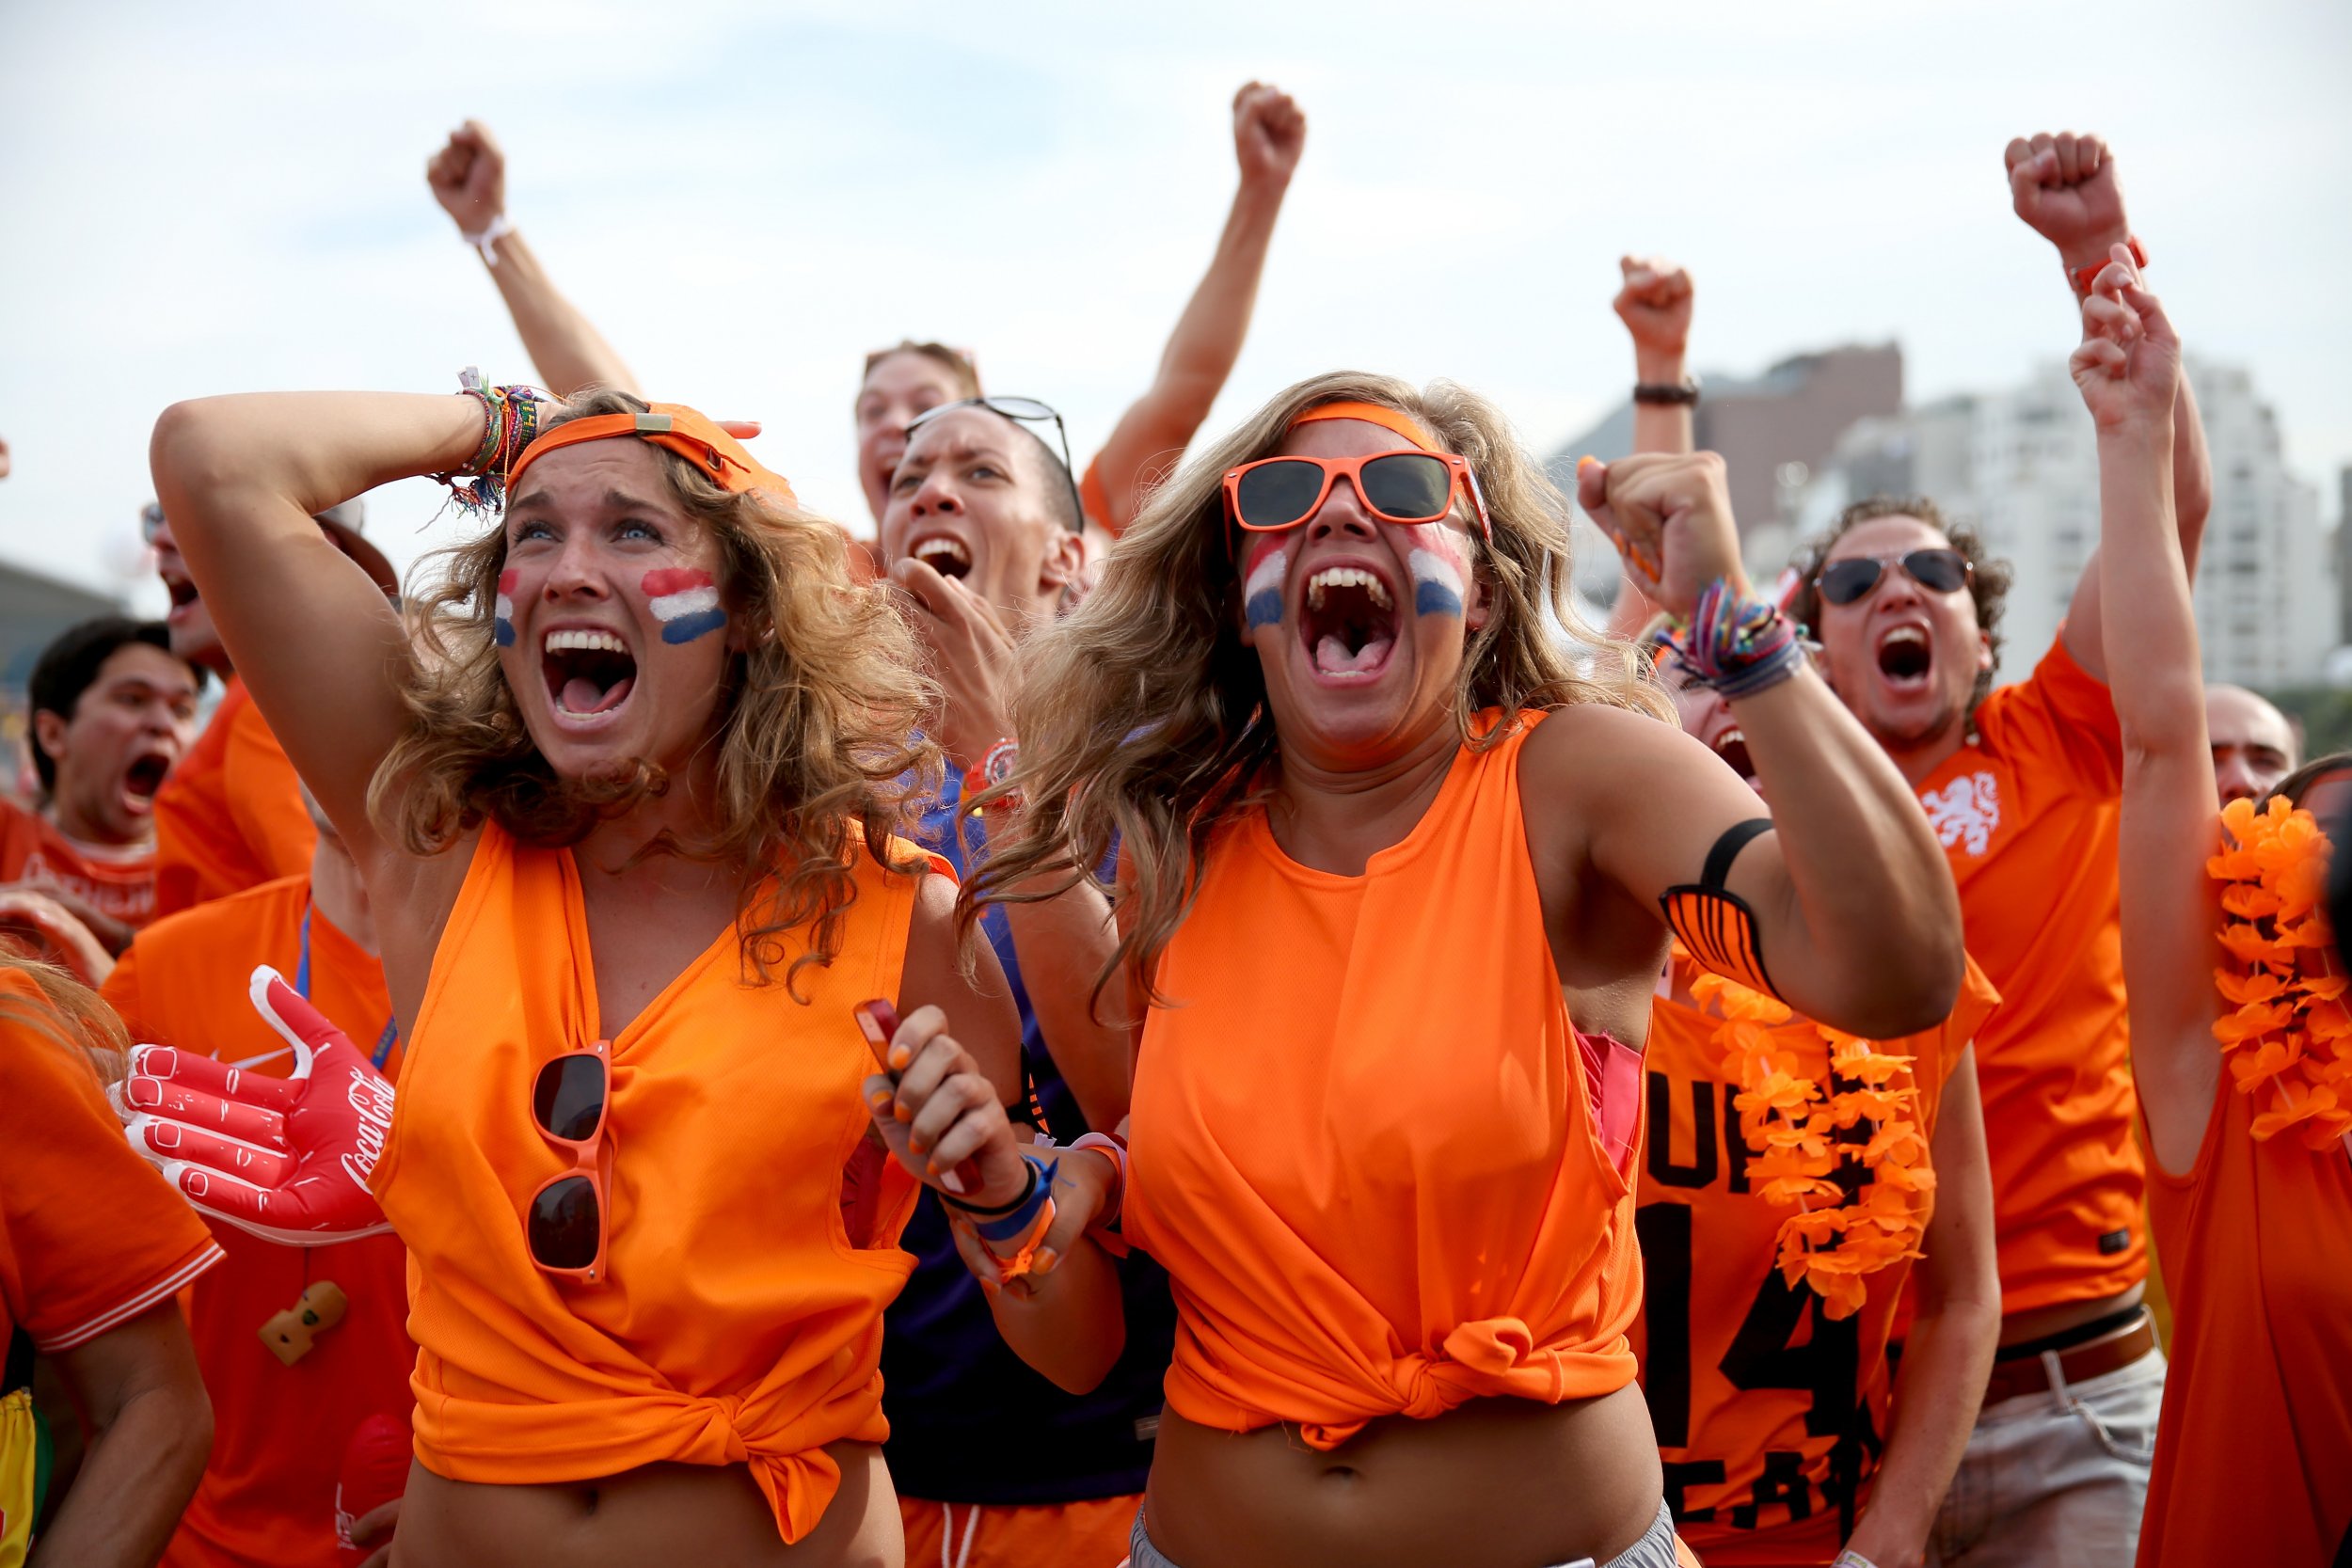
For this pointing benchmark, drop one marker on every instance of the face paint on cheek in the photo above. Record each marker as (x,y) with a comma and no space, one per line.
(1262,589)
(1438,573)
(502,621)
(685,601)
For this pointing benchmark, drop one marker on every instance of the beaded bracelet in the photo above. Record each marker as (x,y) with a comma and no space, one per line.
(1737,644)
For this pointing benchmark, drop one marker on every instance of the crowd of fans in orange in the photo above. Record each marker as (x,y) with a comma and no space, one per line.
(1189,1011)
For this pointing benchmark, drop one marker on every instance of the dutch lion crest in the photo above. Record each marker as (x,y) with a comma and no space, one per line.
(1966,809)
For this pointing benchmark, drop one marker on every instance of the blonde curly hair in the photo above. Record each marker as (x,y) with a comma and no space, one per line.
(1142,716)
(817,732)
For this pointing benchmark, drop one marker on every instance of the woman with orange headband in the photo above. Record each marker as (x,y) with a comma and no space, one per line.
(1397,875)
(627,827)
(2250,1171)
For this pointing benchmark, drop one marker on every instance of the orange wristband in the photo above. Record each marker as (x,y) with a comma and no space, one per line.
(2082,277)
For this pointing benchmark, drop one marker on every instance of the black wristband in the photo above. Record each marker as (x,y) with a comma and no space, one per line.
(1028,1190)
(1685,391)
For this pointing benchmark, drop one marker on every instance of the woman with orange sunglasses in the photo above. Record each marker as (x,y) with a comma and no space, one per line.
(629,830)
(1398,868)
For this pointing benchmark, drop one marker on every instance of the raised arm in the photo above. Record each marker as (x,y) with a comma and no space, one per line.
(1851,903)
(469,180)
(305,628)
(1654,301)
(2065,188)
(2128,366)
(1269,132)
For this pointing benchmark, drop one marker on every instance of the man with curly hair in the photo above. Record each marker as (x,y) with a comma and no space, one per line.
(2022,786)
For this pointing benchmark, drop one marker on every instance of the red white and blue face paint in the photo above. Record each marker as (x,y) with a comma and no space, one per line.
(686,601)
(1268,562)
(1439,572)
(503,624)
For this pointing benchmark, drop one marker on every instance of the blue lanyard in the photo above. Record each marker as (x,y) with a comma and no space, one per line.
(302,989)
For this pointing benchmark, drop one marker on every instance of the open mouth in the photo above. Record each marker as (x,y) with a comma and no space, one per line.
(1906,658)
(1348,624)
(589,674)
(182,592)
(947,555)
(143,777)
(1732,746)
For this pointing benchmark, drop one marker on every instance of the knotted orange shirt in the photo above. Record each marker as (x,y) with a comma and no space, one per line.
(736,1324)
(1364,1146)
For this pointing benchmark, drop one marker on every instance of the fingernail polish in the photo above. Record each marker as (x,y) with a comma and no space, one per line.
(901,1113)
(1043,1259)
(881,1099)
(899,1057)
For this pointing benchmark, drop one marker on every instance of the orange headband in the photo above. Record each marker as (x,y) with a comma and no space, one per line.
(720,456)
(1372,412)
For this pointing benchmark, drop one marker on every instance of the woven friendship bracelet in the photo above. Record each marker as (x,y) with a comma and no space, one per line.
(510,420)
(1737,644)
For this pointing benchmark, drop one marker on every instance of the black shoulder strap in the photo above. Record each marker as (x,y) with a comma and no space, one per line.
(1735,838)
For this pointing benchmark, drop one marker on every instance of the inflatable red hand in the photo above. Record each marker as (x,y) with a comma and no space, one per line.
(287,1159)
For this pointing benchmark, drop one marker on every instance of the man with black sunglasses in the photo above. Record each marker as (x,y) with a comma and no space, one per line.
(2023,785)
(994,1463)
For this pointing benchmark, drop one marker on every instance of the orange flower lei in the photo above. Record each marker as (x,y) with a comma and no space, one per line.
(2290,1029)
(1856,1144)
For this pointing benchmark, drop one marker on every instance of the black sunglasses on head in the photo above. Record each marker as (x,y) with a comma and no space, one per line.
(1846,581)
(1025,411)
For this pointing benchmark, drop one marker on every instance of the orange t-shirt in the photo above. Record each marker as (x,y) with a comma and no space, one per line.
(1364,1145)
(1770,1417)
(90,1236)
(267,1499)
(2027,813)
(116,882)
(2254,1447)
(231,816)
(735,1322)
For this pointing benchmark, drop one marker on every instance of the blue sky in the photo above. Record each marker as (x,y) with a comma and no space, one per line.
(747,198)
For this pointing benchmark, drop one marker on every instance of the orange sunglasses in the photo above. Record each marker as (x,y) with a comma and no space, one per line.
(1407,486)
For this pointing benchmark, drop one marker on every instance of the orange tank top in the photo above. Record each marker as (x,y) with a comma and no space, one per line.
(736,1323)
(2254,1447)
(1363,1140)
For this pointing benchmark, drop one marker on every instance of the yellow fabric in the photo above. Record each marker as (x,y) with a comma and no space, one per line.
(20,1458)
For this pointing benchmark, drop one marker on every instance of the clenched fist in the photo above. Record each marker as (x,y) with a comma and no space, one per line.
(468,178)
(1269,133)
(1655,305)
(1670,516)
(2065,188)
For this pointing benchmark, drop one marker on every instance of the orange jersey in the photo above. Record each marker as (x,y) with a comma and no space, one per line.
(231,816)
(267,1499)
(90,1236)
(1770,1417)
(735,1322)
(1364,1143)
(2254,1448)
(117,882)
(2027,813)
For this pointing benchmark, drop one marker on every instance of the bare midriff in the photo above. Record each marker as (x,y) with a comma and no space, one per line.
(681,1515)
(2040,1323)
(1492,1484)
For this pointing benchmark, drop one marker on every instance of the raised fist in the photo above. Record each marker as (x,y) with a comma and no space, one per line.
(1670,516)
(1269,133)
(2129,364)
(2065,188)
(1654,302)
(468,178)
(288,1158)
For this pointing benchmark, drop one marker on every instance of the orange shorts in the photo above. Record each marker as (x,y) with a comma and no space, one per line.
(1088,1534)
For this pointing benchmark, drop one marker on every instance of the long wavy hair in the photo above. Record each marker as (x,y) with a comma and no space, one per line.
(1143,717)
(816,731)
